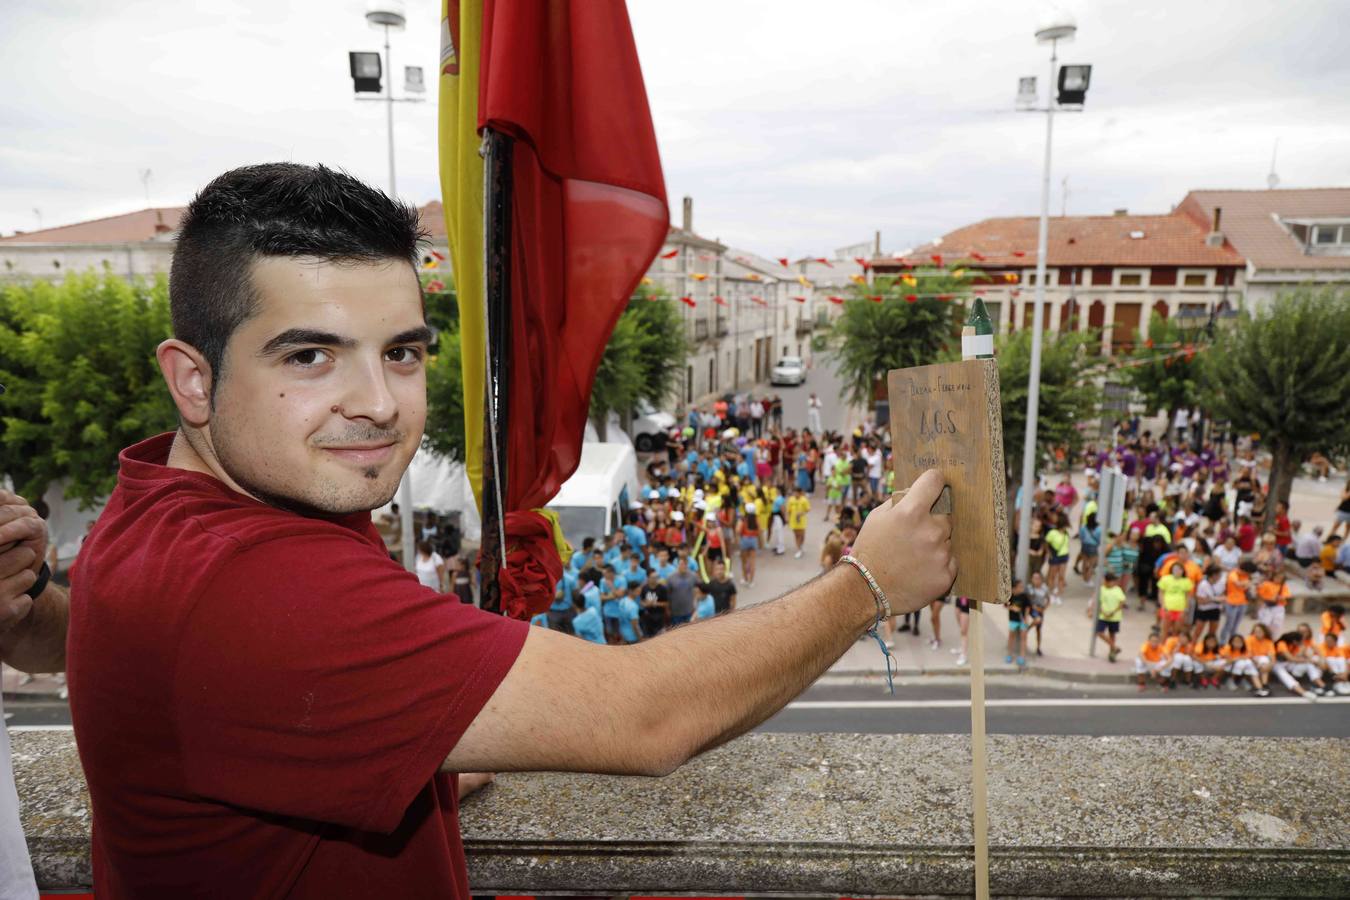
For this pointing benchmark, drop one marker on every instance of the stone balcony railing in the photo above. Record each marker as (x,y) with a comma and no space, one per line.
(833,815)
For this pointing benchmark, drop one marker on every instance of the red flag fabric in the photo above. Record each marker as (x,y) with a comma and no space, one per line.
(1019,253)
(688,301)
(588,215)
(838,300)
(974,255)
(783,261)
(671,255)
(800,299)
(719,300)
(937,259)
(911,298)
(875,298)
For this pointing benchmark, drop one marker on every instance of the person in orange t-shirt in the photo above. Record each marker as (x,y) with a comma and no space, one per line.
(1333,620)
(1293,662)
(1334,658)
(1274,595)
(1178,647)
(1205,661)
(1262,649)
(1238,663)
(1239,591)
(1153,662)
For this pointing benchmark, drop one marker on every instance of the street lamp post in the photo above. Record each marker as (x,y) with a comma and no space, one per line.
(389,14)
(1059,28)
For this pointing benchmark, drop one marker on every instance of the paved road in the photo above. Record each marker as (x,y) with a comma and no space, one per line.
(1022,706)
(1015,705)
(834,413)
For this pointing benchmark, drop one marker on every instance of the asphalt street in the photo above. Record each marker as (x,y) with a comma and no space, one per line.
(1019,705)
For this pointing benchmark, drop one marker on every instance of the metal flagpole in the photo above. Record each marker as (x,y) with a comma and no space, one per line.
(497,151)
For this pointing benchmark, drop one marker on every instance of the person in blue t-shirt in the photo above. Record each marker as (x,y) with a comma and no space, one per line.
(704,606)
(580,557)
(659,562)
(540,620)
(561,610)
(612,585)
(633,573)
(589,597)
(586,623)
(629,609)
(637,538)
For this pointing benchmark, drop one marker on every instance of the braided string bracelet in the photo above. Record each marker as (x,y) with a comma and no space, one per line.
(883,613)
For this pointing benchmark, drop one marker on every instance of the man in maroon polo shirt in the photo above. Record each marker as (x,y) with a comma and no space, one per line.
(265,704)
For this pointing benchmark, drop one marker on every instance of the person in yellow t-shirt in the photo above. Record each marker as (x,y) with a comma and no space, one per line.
(798,505)
(1175,590)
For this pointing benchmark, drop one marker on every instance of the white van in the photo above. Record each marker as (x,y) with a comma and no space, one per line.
(595,501)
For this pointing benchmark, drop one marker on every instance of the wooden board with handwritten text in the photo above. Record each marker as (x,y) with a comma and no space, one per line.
(949,417)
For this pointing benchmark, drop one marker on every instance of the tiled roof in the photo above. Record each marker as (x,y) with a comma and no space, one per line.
(1165,240)
(159,222)
(143,225)
(1248,219)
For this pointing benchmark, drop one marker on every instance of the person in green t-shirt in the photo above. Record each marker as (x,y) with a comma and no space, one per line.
(1057,542)
(1110,612)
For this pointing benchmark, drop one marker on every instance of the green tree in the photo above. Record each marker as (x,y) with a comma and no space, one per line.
(89,343)
(1166,380)
(444,432)
(1069,395)
(642,361)
(873,336)
(1283,374)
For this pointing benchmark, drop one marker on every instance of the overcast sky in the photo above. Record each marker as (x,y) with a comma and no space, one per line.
(798,126)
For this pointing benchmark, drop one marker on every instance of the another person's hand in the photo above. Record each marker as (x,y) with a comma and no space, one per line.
(23,544)
(908,549)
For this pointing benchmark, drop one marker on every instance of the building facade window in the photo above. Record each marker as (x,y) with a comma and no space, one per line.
(1195,277)
(1131,277)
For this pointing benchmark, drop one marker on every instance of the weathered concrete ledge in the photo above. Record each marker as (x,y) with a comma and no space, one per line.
(849,815)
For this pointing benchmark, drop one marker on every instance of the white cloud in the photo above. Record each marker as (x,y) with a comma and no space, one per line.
(797,125)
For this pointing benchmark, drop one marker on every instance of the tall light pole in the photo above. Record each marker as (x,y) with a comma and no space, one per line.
(1059,28)
(389,14)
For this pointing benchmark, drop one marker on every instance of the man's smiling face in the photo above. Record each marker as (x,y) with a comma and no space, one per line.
(322,399)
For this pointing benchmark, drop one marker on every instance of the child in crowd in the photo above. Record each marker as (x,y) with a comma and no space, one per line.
(1274,596)
(1110,611)
(1040,602)
(1153,662)
(1238,664)
(1205,662)
(1178,647)
(1175,590)
(1019,606)
(1293,662)
(1332,657)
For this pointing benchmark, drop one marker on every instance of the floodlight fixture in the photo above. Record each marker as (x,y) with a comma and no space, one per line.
(366,71)
(1073,84)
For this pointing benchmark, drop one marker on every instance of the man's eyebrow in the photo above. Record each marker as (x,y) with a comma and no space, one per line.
(419,335)
(294,337)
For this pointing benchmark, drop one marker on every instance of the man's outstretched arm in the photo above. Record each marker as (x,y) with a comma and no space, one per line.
(573,706)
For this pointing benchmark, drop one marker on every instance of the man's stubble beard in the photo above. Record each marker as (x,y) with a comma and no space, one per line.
(328,503)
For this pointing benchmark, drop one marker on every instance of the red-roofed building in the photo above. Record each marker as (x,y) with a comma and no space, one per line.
(1288,237)
(1107,272)
(132,244)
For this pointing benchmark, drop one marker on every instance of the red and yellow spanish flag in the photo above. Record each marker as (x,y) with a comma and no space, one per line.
(588,211)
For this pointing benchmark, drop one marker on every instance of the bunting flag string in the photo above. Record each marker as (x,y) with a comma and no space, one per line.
(688,301)
(671,255)
(800,299)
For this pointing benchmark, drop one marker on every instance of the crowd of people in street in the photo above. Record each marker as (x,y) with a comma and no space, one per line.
(732,484)
(1191,551)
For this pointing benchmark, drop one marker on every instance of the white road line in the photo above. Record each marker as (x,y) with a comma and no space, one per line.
(1048,703)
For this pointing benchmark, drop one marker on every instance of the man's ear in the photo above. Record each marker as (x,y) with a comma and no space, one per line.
(188,376)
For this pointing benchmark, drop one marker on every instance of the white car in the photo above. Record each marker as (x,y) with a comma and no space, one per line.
(650,429)
(790,370)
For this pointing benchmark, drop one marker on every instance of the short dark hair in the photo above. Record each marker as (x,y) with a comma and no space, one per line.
(273,209)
